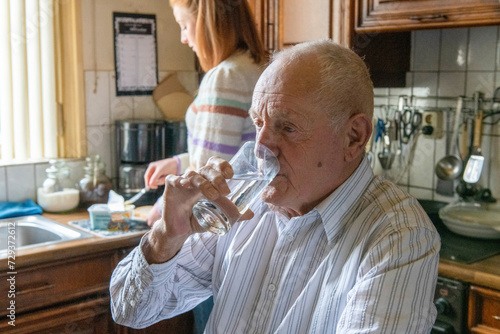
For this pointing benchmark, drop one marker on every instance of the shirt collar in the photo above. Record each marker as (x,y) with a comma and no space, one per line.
(339,204)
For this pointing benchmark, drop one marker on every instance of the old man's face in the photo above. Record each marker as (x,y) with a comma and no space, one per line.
(310,152)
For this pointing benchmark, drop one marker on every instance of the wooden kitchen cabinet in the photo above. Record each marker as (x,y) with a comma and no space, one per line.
(484,310)
(72,296)
(285,23)
(398,15)
(90,316)
(64,296)
(377,30)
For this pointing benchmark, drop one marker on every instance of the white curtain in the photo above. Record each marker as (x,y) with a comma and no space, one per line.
(28,108)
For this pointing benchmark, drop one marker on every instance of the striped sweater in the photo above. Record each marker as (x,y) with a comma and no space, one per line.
(217,120)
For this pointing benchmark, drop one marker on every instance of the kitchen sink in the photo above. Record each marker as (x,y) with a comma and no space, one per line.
(32,231)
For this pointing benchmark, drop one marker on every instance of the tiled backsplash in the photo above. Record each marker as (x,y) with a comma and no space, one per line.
(445,64)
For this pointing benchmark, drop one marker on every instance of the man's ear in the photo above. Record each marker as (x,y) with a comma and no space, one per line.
(359,130)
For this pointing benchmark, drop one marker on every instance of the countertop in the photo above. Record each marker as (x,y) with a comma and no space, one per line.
(80,247)
(484,273)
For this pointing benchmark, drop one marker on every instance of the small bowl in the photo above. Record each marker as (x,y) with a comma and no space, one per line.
(477,220)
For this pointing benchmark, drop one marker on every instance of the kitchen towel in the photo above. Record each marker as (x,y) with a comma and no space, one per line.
(17,209)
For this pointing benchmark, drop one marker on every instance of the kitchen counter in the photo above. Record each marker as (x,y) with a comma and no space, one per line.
(80,247)
(484,273)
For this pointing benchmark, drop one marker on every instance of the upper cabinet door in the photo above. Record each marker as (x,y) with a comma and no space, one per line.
(287,22)
(400,15)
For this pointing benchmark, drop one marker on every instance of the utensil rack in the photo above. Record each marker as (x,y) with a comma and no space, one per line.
(490,106)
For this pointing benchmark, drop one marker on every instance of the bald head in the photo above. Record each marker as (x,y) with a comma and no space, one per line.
(334,78)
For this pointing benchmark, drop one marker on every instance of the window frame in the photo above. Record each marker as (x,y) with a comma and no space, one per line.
(72,139)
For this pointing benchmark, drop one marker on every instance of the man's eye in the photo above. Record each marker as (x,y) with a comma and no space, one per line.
(289,128)
(257,123)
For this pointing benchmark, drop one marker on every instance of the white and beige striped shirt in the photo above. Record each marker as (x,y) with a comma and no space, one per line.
(363,261)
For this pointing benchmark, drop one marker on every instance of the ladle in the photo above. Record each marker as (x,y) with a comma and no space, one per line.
(450,166)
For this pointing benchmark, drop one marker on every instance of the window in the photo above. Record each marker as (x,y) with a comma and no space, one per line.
(41,86)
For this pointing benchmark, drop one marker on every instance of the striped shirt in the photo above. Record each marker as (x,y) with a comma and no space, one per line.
(217,121)
(363,261)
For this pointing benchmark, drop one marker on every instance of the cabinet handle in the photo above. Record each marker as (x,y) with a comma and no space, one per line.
(35,288)
(430,17)
(496,317)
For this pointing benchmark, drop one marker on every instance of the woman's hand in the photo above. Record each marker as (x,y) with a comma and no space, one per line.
(158,170)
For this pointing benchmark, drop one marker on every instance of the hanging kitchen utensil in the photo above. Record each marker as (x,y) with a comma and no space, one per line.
(446,187)
(410,123)
(450,166)
(386,157)
(465,141)
(475,163)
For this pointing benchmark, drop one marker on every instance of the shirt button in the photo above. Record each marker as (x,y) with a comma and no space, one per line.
(289,237)
(271,287)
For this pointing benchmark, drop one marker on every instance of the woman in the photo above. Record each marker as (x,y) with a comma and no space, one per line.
(224,36)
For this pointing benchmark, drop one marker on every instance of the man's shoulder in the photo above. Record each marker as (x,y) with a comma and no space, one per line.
(395,206)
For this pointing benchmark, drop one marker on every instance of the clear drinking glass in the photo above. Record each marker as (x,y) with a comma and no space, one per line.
(254,167)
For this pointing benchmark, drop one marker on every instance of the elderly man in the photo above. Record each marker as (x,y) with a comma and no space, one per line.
(330,248)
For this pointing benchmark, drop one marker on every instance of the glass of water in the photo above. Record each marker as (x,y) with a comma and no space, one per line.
(254,167)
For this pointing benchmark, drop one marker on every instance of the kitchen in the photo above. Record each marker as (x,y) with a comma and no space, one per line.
(457,60)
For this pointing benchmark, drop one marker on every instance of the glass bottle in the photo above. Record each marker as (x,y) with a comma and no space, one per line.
(95,185)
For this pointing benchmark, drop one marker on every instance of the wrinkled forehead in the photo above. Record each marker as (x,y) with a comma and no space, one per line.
(289,76)
(284,89)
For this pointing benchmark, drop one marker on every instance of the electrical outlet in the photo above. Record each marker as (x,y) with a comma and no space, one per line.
(432,124)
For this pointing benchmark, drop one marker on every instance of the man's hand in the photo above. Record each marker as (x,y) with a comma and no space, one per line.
(181,193)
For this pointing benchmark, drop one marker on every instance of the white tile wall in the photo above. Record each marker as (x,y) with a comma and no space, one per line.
(482,50)
(445,64)
(20,182)
(453,48)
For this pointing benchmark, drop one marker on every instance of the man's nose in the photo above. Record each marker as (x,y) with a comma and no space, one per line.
(269,138)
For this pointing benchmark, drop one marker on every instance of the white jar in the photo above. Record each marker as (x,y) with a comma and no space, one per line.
(59,201)
(57,193)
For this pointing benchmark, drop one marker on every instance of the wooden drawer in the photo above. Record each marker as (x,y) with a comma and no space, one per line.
(52,283)
(484,310)
(90,316)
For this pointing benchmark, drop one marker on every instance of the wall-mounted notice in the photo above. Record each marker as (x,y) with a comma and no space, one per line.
(136,61)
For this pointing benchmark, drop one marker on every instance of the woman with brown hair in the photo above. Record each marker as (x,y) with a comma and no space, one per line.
(224,36)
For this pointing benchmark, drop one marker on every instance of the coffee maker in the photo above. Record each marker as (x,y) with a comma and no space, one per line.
(141,141)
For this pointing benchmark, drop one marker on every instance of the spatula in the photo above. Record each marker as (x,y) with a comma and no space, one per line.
(476,160)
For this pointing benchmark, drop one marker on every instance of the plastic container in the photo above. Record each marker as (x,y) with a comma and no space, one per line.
(103,218)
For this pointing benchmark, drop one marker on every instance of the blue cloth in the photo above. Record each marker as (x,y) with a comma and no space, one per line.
(17,209)
(201,314)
